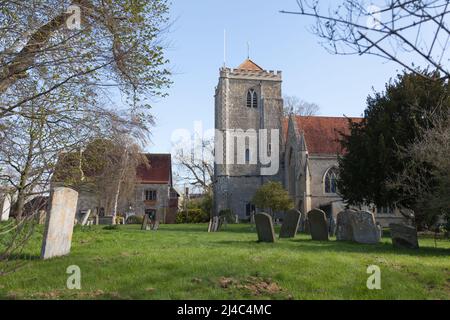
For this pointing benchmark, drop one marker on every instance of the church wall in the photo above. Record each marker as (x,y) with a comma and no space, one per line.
(318,166)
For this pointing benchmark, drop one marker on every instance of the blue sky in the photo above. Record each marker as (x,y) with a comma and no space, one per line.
(338,84)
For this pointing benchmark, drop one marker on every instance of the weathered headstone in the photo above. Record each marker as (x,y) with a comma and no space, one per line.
(42,216)
(344,230)
(290,224)
(332,226)
(364,228)
(145,222)
(380,229)
(404,236)
(5,207)
(264,227)
(213,224)
(318,225)
(59,225)
(85,217)
(107,220)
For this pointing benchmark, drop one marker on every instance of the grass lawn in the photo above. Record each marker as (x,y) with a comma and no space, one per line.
(185,262)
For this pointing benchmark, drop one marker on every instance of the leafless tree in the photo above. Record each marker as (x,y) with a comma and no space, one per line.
(293,105)
(59,84)
(408,32)
(196,165)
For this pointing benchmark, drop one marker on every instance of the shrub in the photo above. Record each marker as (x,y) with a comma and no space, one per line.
(135,220)
(193,216)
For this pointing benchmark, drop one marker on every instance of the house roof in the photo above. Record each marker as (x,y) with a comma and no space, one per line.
(323,134)
(159,170)
(250,66)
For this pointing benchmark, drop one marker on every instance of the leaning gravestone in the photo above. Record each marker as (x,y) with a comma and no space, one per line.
(5,207)
(145,222)
(404,236)
(59,225)
(290,224)
(364,228)
(344,230)
(318,226)
(264,227)
(42,216)
(85,217)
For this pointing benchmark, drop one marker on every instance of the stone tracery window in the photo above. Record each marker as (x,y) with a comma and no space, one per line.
(252,99)
(330,180)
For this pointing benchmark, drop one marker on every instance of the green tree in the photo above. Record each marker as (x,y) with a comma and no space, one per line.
(273,197)
(393,120)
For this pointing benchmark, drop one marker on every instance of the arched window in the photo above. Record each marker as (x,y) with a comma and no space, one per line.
(247,156)
(252,99)
(330,180)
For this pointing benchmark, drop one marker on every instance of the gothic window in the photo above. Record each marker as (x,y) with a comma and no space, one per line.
(252,99)
(247,155)
(330,181)
(150,195)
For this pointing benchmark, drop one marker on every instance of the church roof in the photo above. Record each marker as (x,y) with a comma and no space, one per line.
(250,66)
(323,134)
(159,170)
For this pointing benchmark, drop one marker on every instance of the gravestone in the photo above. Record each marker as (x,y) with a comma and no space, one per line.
(213,224)
(5,207)
(290,224)
(42,216)
(210,225)
(318,226)
(264,227)
(364,228)
(59,225)
(404,236)
(85,217)
(380,229)
(344,230)
(145,222)
(106,220)
(332,224)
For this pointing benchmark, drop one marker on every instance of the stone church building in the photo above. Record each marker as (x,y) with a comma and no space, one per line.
(248,101)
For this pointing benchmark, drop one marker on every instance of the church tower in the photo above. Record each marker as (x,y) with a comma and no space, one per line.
(248,109)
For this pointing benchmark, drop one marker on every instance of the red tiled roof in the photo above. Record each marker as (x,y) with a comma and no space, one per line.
(322,134)
(250,65)
(159,170)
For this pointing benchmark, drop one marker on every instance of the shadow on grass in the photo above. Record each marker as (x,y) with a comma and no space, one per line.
(343,246)
(22,257)
(202,228)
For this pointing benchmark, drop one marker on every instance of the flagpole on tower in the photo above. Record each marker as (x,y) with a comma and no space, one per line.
(248,50)
(224,48)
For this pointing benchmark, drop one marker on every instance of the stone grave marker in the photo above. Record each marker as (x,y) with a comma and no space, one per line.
(344,230)
(364,228)
(42,216)
(264,227)
(290,224)
(85,217)
(404,236)
(145,222)
(59,223)
(5,207)
(318,226)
